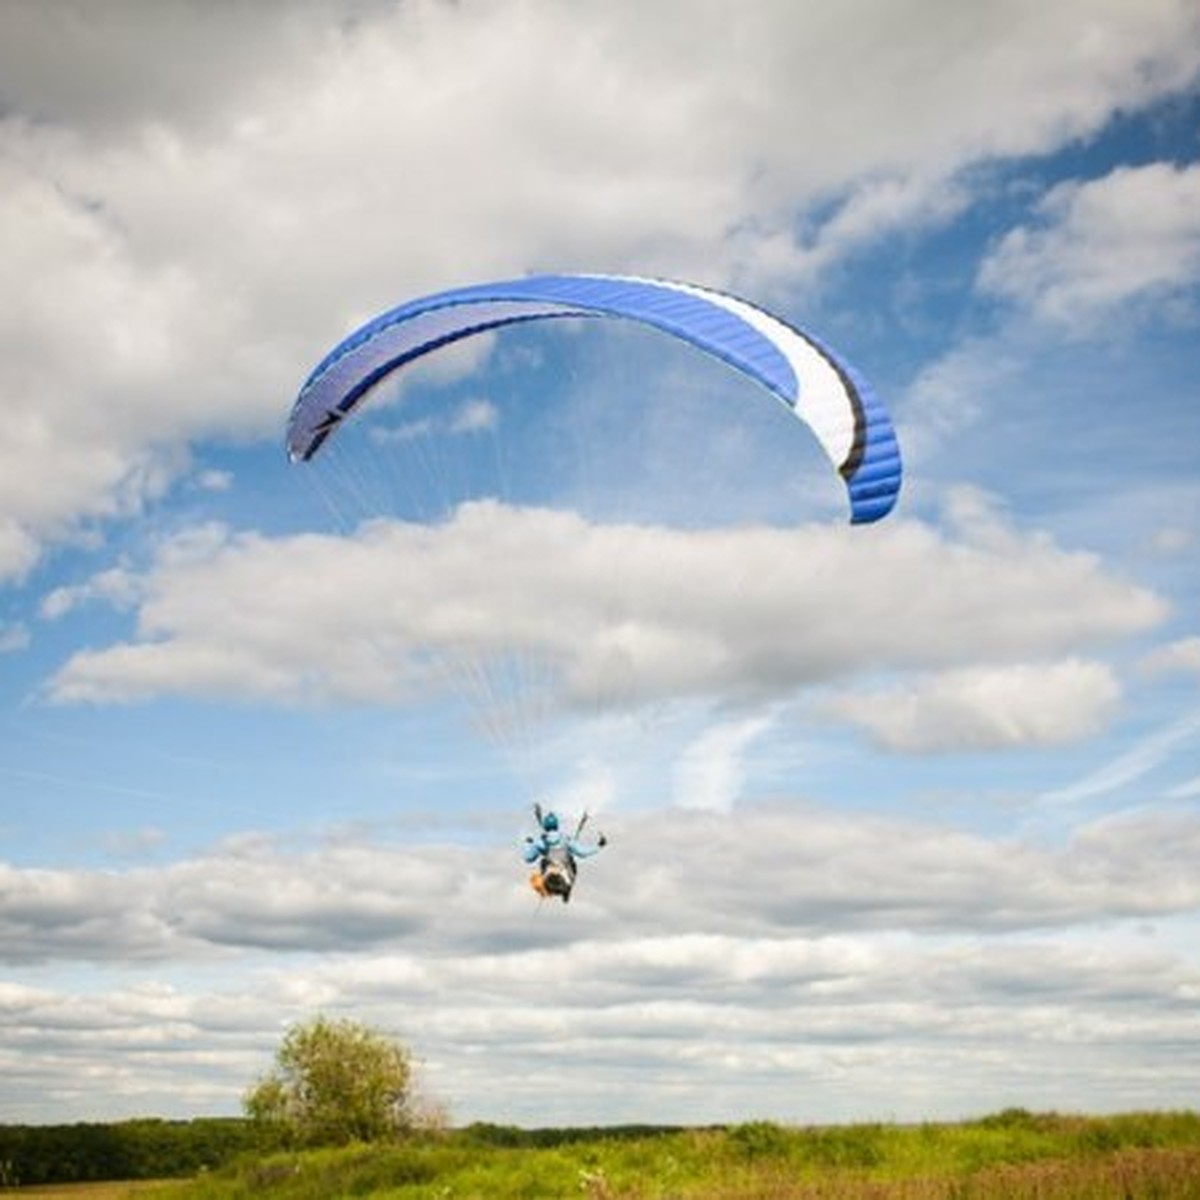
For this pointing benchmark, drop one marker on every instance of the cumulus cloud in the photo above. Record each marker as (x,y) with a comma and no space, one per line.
(117,586)
(184,238)
(153,1048)
(759,872)
(250,616)
(1132,235)
(93,342)
(774,946)
(723,1026)
(987,707)
(193,908)
(1180,656)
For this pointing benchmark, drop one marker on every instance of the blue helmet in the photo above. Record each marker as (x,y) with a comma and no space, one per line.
(550,822)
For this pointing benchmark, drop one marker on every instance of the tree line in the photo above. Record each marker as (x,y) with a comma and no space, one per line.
(146,1148)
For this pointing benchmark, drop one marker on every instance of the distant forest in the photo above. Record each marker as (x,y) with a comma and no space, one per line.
(148,1148)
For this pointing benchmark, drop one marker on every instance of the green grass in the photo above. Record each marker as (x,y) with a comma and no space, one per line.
(83,1191)
(1015,1154)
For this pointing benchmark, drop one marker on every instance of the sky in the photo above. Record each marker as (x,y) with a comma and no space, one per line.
(903,819)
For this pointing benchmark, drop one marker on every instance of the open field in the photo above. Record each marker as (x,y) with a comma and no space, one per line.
(87,1191)
(1012,1155)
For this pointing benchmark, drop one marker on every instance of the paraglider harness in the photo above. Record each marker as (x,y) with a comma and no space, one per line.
(558,868)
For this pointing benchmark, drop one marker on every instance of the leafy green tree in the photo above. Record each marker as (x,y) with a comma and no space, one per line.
(334,1082)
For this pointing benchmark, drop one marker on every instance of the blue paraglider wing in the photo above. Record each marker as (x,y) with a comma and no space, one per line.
(819,386)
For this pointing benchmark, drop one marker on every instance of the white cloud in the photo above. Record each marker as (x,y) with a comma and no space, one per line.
(214,481)
(705,1028)
(185,241)
(949,395)
(475,416)
(987,708)
(94,342)
(184,236)
(499,595)
(591,787)
(1132,235)
(709,773)
(117,586)
(881,206)
(771,946)
(753,873)
(1183,655)
(471,417)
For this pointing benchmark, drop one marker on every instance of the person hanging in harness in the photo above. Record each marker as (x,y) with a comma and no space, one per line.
(556,855)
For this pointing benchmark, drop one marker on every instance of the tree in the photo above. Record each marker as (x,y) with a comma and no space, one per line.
(334,1082)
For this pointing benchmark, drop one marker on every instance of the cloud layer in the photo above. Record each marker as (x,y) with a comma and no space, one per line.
(987,708)
(1133,235)
(182,239)
(601,615)
(788,870)
(809,953)
(183,235)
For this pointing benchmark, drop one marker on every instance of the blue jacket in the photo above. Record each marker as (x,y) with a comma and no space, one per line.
(540,846)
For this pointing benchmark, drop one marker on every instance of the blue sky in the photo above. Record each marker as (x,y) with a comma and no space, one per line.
(903,819)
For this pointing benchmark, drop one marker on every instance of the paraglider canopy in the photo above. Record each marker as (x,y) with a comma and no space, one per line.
(817,384)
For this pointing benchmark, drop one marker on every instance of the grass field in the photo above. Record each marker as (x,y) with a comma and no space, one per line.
(87,1191)
(1013,1155)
